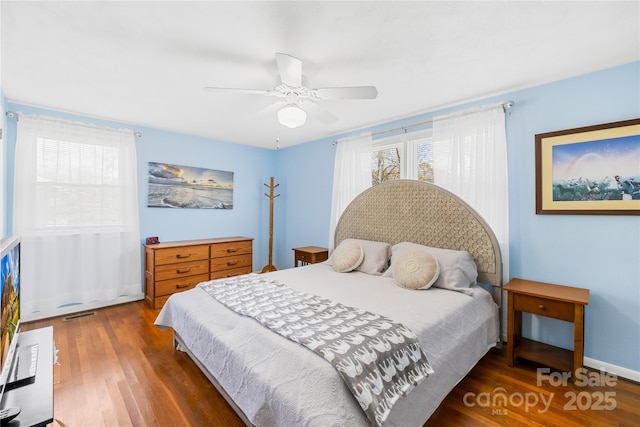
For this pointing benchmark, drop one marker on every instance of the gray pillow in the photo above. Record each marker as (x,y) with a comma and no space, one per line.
(458,271)
(376,256)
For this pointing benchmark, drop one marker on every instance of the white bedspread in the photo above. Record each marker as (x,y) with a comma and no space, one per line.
(277,382)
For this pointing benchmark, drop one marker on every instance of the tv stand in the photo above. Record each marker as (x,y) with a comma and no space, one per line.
(32,381)
(24,367)
(8,414)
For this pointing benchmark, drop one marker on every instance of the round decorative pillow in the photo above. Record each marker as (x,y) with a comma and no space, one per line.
(347,256)
(416,269)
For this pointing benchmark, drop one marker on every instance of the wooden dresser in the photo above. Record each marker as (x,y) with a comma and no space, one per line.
(177,266)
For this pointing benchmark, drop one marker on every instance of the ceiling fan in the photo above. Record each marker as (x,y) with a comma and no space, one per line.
(298,100)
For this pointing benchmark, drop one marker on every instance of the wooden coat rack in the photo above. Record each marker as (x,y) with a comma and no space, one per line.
(271,196)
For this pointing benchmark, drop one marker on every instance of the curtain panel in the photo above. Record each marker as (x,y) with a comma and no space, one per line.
(470,160)
(76,208)
(351,176)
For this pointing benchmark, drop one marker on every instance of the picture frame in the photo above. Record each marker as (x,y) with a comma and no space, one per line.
(592,170)
(188,187)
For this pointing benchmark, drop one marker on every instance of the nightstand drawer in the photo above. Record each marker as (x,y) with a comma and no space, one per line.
(309,255)
(544,307)
(311,258)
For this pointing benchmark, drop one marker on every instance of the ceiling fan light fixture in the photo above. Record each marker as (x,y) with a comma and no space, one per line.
(292,116)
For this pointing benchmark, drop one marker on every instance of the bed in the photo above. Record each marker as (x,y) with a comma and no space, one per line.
(270,380)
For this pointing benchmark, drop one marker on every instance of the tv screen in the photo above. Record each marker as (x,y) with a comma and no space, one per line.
(10,304)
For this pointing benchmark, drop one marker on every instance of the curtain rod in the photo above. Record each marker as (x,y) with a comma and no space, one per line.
(505,106)
(13,114)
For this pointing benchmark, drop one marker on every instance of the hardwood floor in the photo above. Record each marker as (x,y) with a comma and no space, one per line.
(117,369)
(596,400)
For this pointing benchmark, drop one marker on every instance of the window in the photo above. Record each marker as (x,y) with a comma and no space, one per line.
(76,208)
(423,149)
(385,163)
(78,185)
(408,156)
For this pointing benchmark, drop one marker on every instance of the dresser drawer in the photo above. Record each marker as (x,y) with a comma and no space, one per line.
(230,272)
(180,254)
(171,286)
(226,249)
(182,269)
(228,262)
(544,307)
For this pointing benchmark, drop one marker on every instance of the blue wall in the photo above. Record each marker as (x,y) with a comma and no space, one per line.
(601,253)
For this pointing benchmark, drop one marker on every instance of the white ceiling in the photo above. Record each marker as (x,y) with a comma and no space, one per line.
(146,62)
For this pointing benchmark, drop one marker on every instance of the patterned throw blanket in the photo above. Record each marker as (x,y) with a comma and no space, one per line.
(379,360)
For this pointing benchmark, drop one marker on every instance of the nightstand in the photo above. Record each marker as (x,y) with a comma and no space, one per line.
(309,255)
(544,299)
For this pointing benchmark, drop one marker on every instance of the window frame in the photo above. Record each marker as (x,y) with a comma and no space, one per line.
(51,224)
(408,143)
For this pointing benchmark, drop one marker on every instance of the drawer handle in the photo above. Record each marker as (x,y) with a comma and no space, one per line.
(183,256)
(232,262)
(231,250)
(186,270)
(182,286)
(542,307)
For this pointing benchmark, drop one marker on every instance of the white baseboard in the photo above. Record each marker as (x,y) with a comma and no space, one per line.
(619,371)
(30,317)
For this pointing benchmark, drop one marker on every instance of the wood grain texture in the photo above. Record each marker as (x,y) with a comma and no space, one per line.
(548,290)
(117,369)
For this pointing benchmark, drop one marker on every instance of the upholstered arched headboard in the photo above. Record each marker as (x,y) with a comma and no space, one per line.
(415,211)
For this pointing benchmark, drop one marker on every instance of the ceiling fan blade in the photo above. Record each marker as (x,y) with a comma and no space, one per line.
(290,69)
(238,90)
(270,109)
(354,92)
(319,113)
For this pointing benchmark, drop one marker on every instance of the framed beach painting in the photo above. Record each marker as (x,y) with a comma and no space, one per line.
(175,186)
(593,170)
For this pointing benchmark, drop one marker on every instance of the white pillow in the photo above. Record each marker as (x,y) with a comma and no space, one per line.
(347,256)
(376,256)
(416,269)
(458,271)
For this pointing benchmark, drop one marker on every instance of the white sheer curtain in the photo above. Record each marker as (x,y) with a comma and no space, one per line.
(470,160)
(76,208)
(351,175)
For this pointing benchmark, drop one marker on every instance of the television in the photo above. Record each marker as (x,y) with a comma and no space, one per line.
(17,364)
